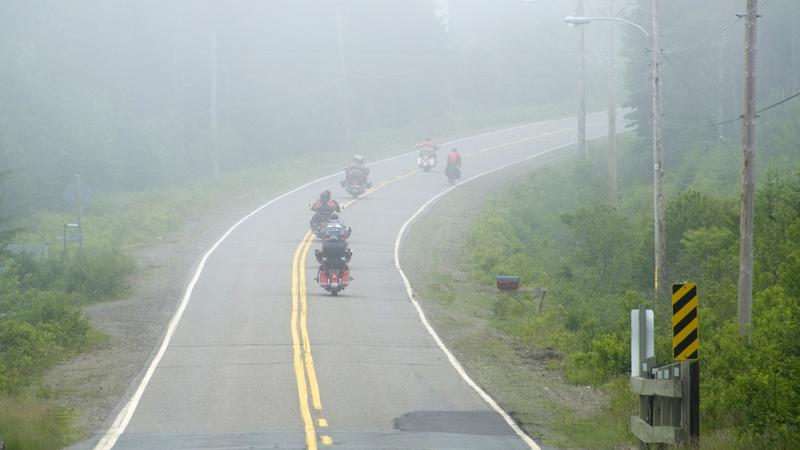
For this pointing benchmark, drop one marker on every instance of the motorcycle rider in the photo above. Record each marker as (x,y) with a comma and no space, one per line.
(335,254)
(427,146)
(324,206)
(336,228)
(453,164)
(357,168)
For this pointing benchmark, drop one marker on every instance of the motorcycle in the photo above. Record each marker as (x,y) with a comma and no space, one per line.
(355,183)
(426,160)
(453,173)
(334,280)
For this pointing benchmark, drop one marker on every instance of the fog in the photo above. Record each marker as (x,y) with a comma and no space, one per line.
(142,94)
(123,91)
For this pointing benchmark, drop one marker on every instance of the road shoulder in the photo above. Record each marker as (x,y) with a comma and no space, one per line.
(525,381)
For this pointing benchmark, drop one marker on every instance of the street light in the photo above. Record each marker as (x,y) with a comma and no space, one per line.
(578,20)
(658,173)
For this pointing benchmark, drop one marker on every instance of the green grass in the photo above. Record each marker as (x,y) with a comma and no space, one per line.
(606,430)
(27,423)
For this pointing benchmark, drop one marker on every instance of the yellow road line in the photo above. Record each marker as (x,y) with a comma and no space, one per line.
(302,391)
(307,356)
(303,358)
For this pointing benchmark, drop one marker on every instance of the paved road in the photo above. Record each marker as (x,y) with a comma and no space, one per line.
(259,357)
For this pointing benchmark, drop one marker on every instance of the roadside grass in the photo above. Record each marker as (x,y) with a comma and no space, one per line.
(28,423)
(606,430)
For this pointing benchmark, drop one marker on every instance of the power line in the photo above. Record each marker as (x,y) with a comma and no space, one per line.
(778,103)
(767,108)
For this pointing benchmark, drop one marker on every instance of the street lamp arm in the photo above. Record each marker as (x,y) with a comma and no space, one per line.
(584,20)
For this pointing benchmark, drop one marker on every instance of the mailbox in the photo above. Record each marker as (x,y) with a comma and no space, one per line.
(507,282)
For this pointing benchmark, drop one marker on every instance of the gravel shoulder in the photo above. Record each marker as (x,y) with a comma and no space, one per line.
(517,376)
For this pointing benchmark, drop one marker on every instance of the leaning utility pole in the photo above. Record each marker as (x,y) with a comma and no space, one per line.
(658,156)
(748,160)
(612,115)
(581,85)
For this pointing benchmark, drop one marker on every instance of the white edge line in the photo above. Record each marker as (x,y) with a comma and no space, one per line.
(453,361)
(110,437)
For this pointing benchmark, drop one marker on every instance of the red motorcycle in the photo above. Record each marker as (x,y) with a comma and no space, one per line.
(355,182)
(333,274)
(334,280)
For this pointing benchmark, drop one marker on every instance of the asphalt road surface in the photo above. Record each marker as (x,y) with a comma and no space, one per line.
(258,356)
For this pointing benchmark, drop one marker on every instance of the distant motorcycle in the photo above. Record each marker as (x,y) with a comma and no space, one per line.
(426,159)
(355,183)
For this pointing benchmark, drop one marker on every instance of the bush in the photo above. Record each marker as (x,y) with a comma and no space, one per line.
(37,328)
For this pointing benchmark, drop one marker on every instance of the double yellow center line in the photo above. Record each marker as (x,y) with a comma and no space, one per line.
(303,361)
(302,358)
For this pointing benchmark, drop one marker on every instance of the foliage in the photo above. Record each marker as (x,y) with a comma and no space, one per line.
(595,261)
(37,328)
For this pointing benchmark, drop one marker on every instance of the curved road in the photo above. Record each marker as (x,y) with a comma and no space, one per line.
(258,356)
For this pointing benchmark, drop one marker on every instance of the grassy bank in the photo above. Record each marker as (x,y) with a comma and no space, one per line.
(555,229)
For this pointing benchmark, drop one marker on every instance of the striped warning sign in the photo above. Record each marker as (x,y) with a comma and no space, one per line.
(685,338)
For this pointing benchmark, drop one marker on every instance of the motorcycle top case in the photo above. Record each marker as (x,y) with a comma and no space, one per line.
(507,282)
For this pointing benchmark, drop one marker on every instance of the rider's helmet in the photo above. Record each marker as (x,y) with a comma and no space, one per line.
(358,159)
(454,150)
(325,196)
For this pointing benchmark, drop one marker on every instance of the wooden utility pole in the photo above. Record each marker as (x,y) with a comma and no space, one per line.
(581,85)
(748,160)
(658,155)
(214,156)
(612,115)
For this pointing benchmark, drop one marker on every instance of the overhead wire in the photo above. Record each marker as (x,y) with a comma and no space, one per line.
(766,108)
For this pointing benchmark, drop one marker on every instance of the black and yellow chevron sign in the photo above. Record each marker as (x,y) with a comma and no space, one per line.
(685,337)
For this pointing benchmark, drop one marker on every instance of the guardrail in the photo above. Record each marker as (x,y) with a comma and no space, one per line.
(669,410)
(669,396)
